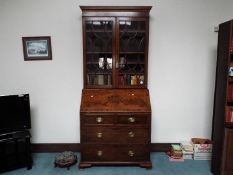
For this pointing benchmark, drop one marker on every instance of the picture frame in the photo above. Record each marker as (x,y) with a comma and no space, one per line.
(37,48)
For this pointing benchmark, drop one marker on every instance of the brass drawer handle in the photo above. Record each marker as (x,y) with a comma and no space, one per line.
(130,153)
(99,119)
(99,153)
(131,119)
(99,134)
(131,134)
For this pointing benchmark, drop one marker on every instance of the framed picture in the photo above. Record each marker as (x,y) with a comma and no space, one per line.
(37,48)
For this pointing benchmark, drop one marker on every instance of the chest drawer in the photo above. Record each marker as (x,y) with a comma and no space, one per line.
(115,152)
(115,135)
(97,119)
(133,119)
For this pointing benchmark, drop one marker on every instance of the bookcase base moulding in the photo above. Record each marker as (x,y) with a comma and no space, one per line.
(115,128)
(84,165)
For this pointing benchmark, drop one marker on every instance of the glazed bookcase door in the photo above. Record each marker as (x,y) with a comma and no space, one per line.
(132,52)
(98,52)
(229,91)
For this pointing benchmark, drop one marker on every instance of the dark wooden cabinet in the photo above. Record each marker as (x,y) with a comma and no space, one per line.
(15,150)
(222,130)
(115,112)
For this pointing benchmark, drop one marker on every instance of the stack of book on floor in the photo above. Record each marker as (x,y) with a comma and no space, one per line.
(187,149)
(176,153)
(202,149)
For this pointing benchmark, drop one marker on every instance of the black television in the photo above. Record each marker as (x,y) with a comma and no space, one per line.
(14,112)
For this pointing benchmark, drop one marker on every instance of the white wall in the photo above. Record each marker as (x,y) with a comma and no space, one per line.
(182,60)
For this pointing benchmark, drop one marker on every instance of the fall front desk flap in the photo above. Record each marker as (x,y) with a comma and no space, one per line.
(115,100)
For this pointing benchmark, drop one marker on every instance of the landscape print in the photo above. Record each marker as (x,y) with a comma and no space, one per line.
(37,48)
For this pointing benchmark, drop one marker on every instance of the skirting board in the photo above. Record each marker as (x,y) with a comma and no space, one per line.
(75,147)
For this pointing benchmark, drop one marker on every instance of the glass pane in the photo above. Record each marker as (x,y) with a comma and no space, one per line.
(132,41)
(131,69)
(132,25)
(99,25)
(132,56)
(99,52)
(99,41)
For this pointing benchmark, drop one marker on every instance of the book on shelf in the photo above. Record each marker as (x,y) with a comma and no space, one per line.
(231,47)
(109,80)
(90,79)
(128,79)
(141,79)
(229,114)
(105,79)
(95,79)
(230,92)
(133,80)
(100,79)
(122,80)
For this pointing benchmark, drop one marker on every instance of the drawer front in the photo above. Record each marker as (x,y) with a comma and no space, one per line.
(97,119)
(98,135)
(133,119)
(132,135)
(123,135)
(115,153)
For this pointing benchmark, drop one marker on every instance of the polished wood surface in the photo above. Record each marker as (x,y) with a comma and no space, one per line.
(115,100)
(127,134)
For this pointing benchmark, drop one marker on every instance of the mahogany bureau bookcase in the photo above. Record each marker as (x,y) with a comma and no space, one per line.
(115,111)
